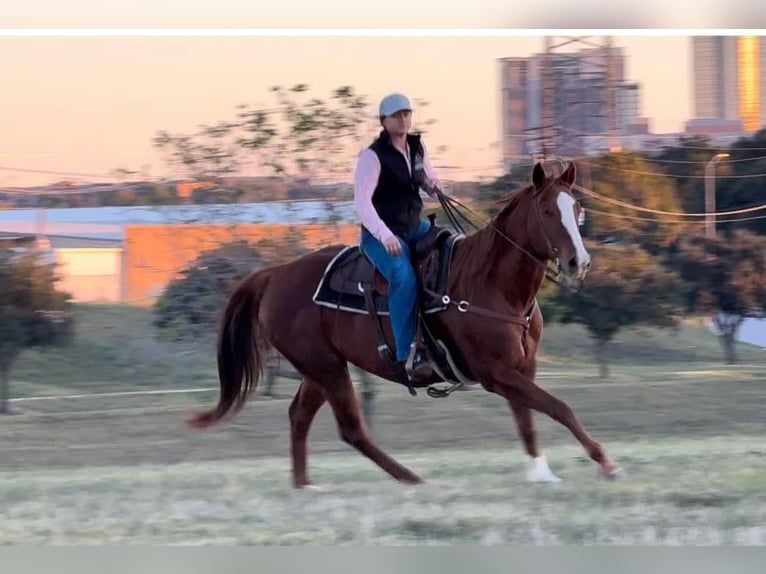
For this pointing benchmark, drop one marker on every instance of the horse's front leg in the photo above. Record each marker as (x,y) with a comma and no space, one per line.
(537,464)
(524,392)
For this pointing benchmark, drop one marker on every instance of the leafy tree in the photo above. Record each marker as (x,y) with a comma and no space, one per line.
(299,136)
(627,178)
(626,287)
(33,313)
(684,164)
(491,194)
(208,154)
(190,305)
(739,178)
(723,277)
(740,181)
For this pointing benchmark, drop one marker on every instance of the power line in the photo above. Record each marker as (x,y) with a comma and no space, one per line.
(685,221)
(705,161)
(113,188)
(681,145)
(606,199)
(665,174)
(53,172)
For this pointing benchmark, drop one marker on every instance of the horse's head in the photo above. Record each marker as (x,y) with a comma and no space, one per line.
(553,223)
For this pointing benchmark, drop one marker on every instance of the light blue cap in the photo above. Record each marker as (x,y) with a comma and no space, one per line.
(393,103)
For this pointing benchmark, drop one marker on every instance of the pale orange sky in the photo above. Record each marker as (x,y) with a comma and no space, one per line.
(89,105)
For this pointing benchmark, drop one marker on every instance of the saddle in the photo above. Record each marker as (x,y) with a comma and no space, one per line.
(350,275)
(352,284)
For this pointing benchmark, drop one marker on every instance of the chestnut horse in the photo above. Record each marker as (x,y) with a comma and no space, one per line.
(496,272)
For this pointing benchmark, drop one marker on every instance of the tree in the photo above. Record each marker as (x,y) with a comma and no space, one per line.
(723,277)
(32,312)
(209,154)
(626,287)
(190,304)
(739,178)
(298,136)
(318,137)
(491,195)
(684,164)
(627,178)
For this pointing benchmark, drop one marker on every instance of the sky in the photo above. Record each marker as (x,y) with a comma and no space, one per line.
(90,105)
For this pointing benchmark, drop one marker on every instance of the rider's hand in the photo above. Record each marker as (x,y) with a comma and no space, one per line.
(392,245)
(431,186)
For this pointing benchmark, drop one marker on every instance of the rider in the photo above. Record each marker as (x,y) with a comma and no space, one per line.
(389,176)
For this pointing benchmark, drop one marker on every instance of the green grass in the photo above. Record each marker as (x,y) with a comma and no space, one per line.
(124,469)
(116,349)
(691,343)
(679,492)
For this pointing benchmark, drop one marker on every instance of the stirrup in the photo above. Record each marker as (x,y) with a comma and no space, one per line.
(415,348)
(437,393)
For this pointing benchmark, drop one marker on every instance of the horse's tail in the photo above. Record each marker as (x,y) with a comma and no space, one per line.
(239,354)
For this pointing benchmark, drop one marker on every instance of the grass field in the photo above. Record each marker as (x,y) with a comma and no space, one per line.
(113,464)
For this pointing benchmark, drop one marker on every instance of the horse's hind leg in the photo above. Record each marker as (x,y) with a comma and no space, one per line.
(307,401)
(339,392)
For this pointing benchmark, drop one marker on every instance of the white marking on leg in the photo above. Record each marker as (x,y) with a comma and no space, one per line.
(319,489)
(565,204)
(538,470)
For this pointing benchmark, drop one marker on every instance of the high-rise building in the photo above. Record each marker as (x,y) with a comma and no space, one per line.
(628,106)
(729,80)
(579,107)
(515,112)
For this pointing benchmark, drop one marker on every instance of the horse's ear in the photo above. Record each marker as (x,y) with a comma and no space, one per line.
(569,175)
(538,176)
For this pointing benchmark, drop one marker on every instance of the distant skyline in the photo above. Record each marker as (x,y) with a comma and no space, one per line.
(90,105)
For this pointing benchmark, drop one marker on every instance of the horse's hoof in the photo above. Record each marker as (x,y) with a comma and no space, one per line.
(538,471)
(315,488)
(612,473)
(416,481)
(548,477)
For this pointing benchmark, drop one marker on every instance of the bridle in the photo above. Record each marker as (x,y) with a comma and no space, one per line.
(552,272)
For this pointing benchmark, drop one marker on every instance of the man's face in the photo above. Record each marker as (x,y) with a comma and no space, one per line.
(399,123)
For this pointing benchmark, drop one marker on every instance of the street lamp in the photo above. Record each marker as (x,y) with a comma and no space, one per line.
(710,194)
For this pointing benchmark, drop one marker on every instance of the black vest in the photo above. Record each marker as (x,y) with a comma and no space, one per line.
(397,195)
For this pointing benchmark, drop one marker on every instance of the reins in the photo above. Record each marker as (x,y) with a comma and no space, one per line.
(451,205)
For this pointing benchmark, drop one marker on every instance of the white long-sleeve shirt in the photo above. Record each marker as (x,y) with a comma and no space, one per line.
(365,182)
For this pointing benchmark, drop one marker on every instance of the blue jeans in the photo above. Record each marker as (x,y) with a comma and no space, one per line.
(402,284)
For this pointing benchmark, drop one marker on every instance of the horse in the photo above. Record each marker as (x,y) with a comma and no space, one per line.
(487,320)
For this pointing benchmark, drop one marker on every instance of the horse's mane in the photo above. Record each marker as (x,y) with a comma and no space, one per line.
(480,250)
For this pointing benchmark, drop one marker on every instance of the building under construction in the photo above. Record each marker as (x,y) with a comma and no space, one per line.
(569,100)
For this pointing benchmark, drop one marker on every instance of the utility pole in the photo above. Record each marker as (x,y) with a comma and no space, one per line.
(710,231)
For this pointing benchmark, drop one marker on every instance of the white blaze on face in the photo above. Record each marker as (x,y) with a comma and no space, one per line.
(566,204)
